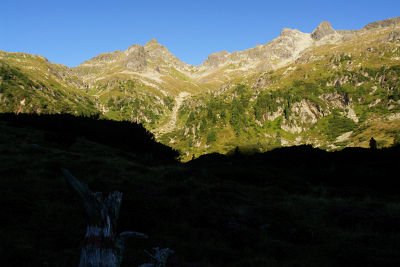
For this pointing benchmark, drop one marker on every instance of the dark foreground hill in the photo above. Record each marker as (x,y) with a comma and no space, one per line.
(63,130)
(294,206)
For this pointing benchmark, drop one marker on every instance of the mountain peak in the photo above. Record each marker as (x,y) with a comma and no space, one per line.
(152,42)
(216,59)
(161,56)
(287,31)
(323,29)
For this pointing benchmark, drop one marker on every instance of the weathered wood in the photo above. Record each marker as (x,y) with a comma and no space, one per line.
(102,246)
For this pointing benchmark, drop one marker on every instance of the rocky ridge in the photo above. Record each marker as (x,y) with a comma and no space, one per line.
(152,61)
(323,29)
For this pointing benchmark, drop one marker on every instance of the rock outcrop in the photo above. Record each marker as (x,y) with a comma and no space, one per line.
(105,58)
(382,23)
(216,59)
(135,58)
(393,36)
(263,57)
(161,56)
(323,29)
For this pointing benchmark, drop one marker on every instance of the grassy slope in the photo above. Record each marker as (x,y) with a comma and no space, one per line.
(31,84)
(327,209)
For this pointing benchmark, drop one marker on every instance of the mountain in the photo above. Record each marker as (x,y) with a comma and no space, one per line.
(330,88)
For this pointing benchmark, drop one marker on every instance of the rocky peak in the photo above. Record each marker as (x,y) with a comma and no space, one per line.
(216,59)
(134,49)
(135,58)
(152,42)
(160,55)
(288,32)
(290,44)
(105,58)
(323,29)
(154,46)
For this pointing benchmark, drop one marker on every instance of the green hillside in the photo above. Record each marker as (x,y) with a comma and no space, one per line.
(30,84)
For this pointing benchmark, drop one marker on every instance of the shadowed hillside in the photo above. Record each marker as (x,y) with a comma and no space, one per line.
(295,206)
(64,129)
(350,171)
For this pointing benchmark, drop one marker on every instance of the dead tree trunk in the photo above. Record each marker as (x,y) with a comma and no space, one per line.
(102,246)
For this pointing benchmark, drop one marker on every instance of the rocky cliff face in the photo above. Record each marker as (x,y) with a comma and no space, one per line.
(147,63)
(217,59)
(383,23)
(106,58)
(162,57)
(262,57)
(323,29)
(135,58)
(287,47)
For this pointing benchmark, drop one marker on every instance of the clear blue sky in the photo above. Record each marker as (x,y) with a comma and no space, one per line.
(70,32)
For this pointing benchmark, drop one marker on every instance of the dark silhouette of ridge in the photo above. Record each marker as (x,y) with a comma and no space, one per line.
(64,129)
(374,171)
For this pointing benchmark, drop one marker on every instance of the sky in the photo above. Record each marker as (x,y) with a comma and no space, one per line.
(70,32)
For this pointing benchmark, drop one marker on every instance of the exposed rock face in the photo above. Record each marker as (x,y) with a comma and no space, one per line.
(105,58)
(148,63)
(135,58)
(263,57)
(303,114)
(336,100)
(290,43)
(161,56)
(151,62)
(216,59)
(383,23)
(306,112)
(273,115)
(288,46)
(323,29)
(394,36)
